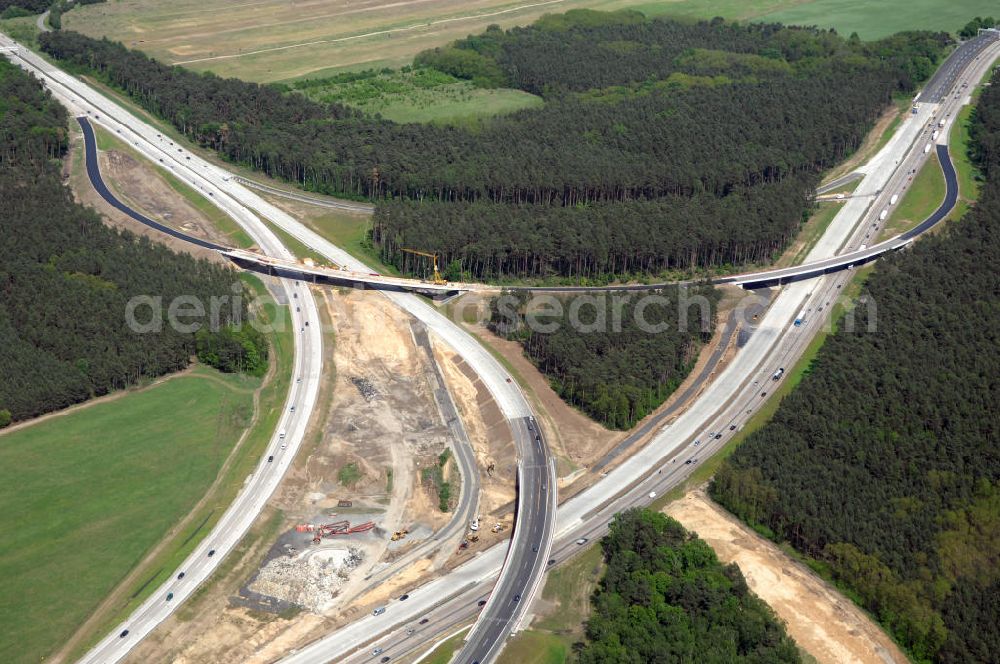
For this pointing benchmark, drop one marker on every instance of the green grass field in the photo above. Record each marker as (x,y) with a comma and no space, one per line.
(350,233)
(269,41)
(86,495)
(421,95)
(444,652)
(872,19)
(924,195)
(199,522)
(535,647)
(22,29)
(570,586)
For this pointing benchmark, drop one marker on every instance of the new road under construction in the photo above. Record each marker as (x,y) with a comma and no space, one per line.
(494,589)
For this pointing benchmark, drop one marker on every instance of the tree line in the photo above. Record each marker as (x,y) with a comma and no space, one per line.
(883,466)
(707,138)
(616,357)
(65,277)
(665,597)
(27,6)
(16,8)
(972,28)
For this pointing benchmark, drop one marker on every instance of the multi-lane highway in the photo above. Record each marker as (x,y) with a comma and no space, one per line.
(535,516)
(720,410)
(278,456)
(675,451)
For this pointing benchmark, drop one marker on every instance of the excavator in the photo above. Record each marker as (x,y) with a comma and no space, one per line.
(438,280)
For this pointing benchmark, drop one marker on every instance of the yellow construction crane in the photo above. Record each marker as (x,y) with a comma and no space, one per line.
(438,279)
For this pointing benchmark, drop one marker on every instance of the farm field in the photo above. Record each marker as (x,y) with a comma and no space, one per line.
(270,40)
(87,494)
(191,525)
(872,20)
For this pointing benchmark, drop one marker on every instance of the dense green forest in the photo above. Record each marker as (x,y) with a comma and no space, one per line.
(971,29)
(65,277)
(884,464)
(661,145)
(629,353)
(665,597)
(30,6)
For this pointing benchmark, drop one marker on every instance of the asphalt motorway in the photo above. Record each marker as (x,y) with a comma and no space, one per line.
(259,486)
(675,451)
(519,579)
(245,206)
(940,86)
(753,361)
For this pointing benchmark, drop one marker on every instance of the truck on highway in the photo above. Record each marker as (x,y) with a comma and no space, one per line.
(882,215)
(777,374)
(941,122)
(895,197)
(934,135)
(801,318)
(927,148)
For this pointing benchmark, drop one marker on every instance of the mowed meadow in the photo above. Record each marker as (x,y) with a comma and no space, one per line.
(273,40)
(88,493)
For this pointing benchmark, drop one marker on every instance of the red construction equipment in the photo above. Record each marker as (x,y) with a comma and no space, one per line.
(340,528)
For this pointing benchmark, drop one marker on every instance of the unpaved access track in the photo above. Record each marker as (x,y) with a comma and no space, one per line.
(823,622)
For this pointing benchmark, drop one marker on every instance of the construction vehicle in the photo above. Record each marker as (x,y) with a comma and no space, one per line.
(338,528)
(399,534)
(438,279)
(497,527)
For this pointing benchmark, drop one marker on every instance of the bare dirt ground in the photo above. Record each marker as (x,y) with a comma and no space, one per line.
(390,422)
(152,188)
(821,620)
(146,191)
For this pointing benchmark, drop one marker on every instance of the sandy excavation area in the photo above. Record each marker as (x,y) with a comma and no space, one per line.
(821,620)
(362,462)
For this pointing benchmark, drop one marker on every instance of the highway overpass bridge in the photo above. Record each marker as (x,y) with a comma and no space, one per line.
(336,276)
(319,274)
(854,258)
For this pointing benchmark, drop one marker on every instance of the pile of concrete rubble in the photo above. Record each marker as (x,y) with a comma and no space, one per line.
(310,580)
